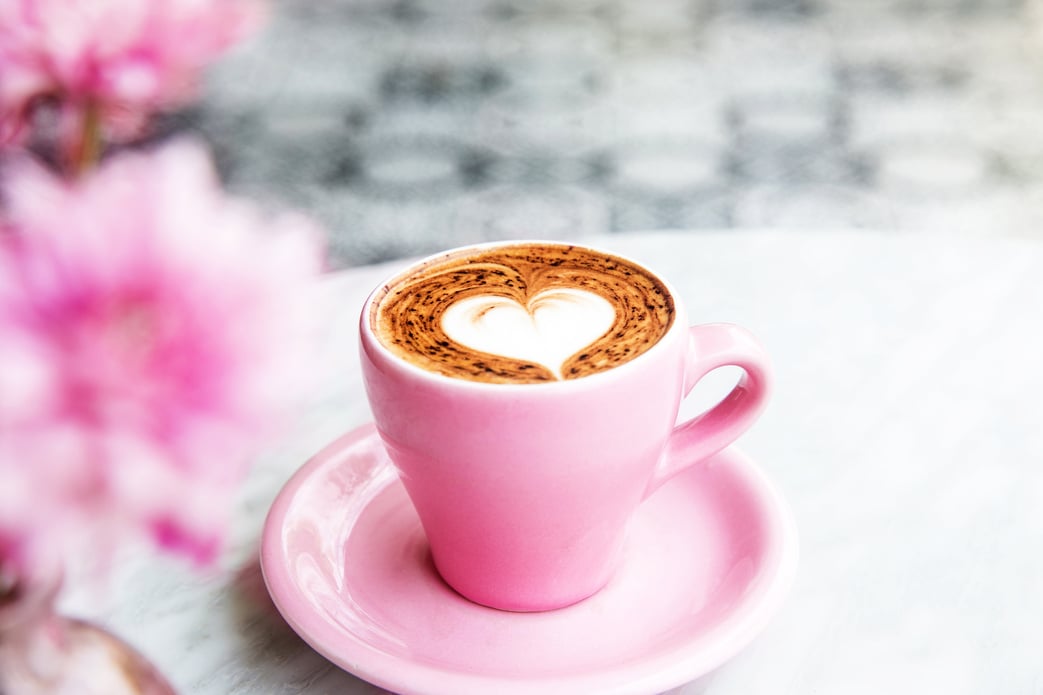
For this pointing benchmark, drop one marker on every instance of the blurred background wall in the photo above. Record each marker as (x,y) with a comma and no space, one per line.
(411,126)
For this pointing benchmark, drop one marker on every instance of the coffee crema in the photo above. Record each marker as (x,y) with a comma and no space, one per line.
(523,313)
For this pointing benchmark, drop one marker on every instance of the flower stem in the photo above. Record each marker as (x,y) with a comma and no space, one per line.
(87,149)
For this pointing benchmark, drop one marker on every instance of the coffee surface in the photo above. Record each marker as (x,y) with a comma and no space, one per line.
(524,313)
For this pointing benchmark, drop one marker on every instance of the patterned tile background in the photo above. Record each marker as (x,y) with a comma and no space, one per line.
(414,125)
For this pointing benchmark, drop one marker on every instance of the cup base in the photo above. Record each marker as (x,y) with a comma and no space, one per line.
(512,604)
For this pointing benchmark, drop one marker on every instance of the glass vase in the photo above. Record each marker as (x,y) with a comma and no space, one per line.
(45,653)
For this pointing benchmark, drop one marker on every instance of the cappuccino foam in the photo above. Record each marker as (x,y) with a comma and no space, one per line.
(524,313)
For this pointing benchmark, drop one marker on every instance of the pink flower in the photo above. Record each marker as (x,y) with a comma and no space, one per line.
(151,335)
(126,58)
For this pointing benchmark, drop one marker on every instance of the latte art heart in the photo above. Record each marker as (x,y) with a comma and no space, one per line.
(521,313)
(556,324)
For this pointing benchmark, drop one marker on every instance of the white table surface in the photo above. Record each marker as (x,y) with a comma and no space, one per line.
(906,432)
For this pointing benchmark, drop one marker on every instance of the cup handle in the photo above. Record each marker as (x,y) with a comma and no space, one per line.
(711,346)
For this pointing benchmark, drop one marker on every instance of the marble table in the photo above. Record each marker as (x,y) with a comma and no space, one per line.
(906,432)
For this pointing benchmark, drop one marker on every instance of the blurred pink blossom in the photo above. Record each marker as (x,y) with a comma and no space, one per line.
(125,58)
(152,332)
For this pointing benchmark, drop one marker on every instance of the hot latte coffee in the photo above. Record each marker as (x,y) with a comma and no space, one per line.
(524,313)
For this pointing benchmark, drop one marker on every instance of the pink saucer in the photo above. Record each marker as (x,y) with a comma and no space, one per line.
(709,558)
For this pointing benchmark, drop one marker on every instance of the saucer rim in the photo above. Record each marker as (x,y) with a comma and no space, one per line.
(651,674)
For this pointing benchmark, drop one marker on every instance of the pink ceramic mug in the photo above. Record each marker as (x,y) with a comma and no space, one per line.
(525,490)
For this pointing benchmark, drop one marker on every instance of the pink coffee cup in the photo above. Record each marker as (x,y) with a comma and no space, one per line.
(525,491)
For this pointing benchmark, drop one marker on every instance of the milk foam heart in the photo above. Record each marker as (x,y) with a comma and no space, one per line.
(468,314)
(556,324)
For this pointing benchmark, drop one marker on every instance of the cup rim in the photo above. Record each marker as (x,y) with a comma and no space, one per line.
(369,337)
